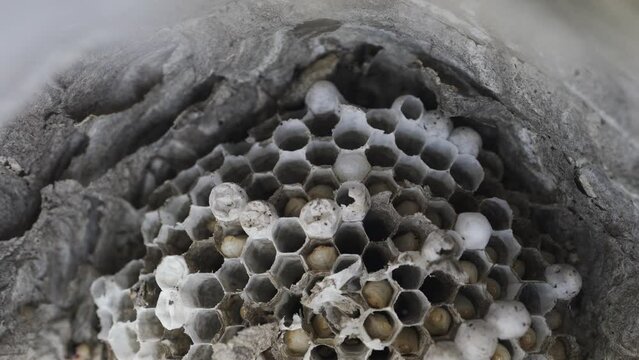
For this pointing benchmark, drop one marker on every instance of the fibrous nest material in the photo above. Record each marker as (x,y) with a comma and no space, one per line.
(345,233)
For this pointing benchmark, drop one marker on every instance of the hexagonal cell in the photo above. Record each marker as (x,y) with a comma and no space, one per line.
(441,213)
(229,333)
(123,340)
(537,297)
(351,166)
(479,259)
(291,135)
(175,210)
(380,325)
(320,218)
(376,257)
(439,154)
(382,151)
(410,201)
(257,218)
(199,352)
(412,232)
(410,307)
(438,321)
(344,261)
(381,220)
(321,257)
(231,309)
(410,137)
(321,327)
(323,98)
(296,342)
(408,276)
(201,290)
(261,186)
(354,200)
(170,271)
(239,148)
(492,164)
(467,172)
(227,201)
(200,223)
(322,152)
(260,289)
(172,240)
(289,200)
(202,256)
(199,193)
(352,347)
(378,294)
(410,341)
(233,275)
(230,241)
(533,265)
(535,338)
(439,287)
(288,235)
(472,302)
(288,270)
(288,306)
(351,238)
(150,226)
(292,168)
(383,354)
(321,125)
(382,119)
(506,282)
(203,326)
(213,160)
(497,212)
(562,347)
(235,169)
(440,183)
(504,351)
(379,181)
(180,343)
(321,184)
(467,140)
(352,131)
(505,247)
(263,156)
(323,352)
(411,169)
(259,255)
(148,325)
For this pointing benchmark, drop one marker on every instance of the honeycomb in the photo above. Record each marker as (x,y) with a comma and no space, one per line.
(344,233)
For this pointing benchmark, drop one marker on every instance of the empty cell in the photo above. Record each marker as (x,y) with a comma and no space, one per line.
(259,255)
(353,347)
(231,309)
(202,256)
(321,257)
(410,138)
(238,148)
(321,184)
(381,220)
(439,154)
(440,183)
(464,201)
(203,326)
(201,291)
(291,135)
(199,193)
(344,261)
(354,200)
(321,125)
(288,235)
(322,153)
(148,325)
(263,157)
(467,140)
(383,354)
(351,166)
(380,325)
(411,169)
(379,181)
(288,306)
(288,270)
(235,169)
(532,264)
(260,289)
(213,160)
(175,210)
(351,238)
(409,341)
(410,307)
(186,178)
(441,214)
(172,241)
(200,223)
(376,257)
(410,106)
(408,276)
(492,164)
(227,200)
(352,131)
(538,298)
(382,151)
(232,275)
(467,172)
(292,170)
(439,287)
(261,186)
(323,352)
(498,213)
(382,119)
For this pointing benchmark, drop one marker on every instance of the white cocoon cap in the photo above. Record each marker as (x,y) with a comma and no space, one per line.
(123,340)
(323,97)
(320,218)
(467,140)
(443,350)
(476,339)
(227,201)
(564,280)
(257,218)
(170,309)
(351,166)
(171,271)
(474,228)
(509,318)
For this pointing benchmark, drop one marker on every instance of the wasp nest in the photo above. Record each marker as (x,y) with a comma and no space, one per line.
(348,233)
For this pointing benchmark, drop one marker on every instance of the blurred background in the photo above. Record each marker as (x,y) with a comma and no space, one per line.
(592,46)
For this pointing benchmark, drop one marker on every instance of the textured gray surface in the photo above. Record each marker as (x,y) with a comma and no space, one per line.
(107,132)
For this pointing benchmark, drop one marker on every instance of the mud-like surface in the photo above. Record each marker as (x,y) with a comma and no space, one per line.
(86,157)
